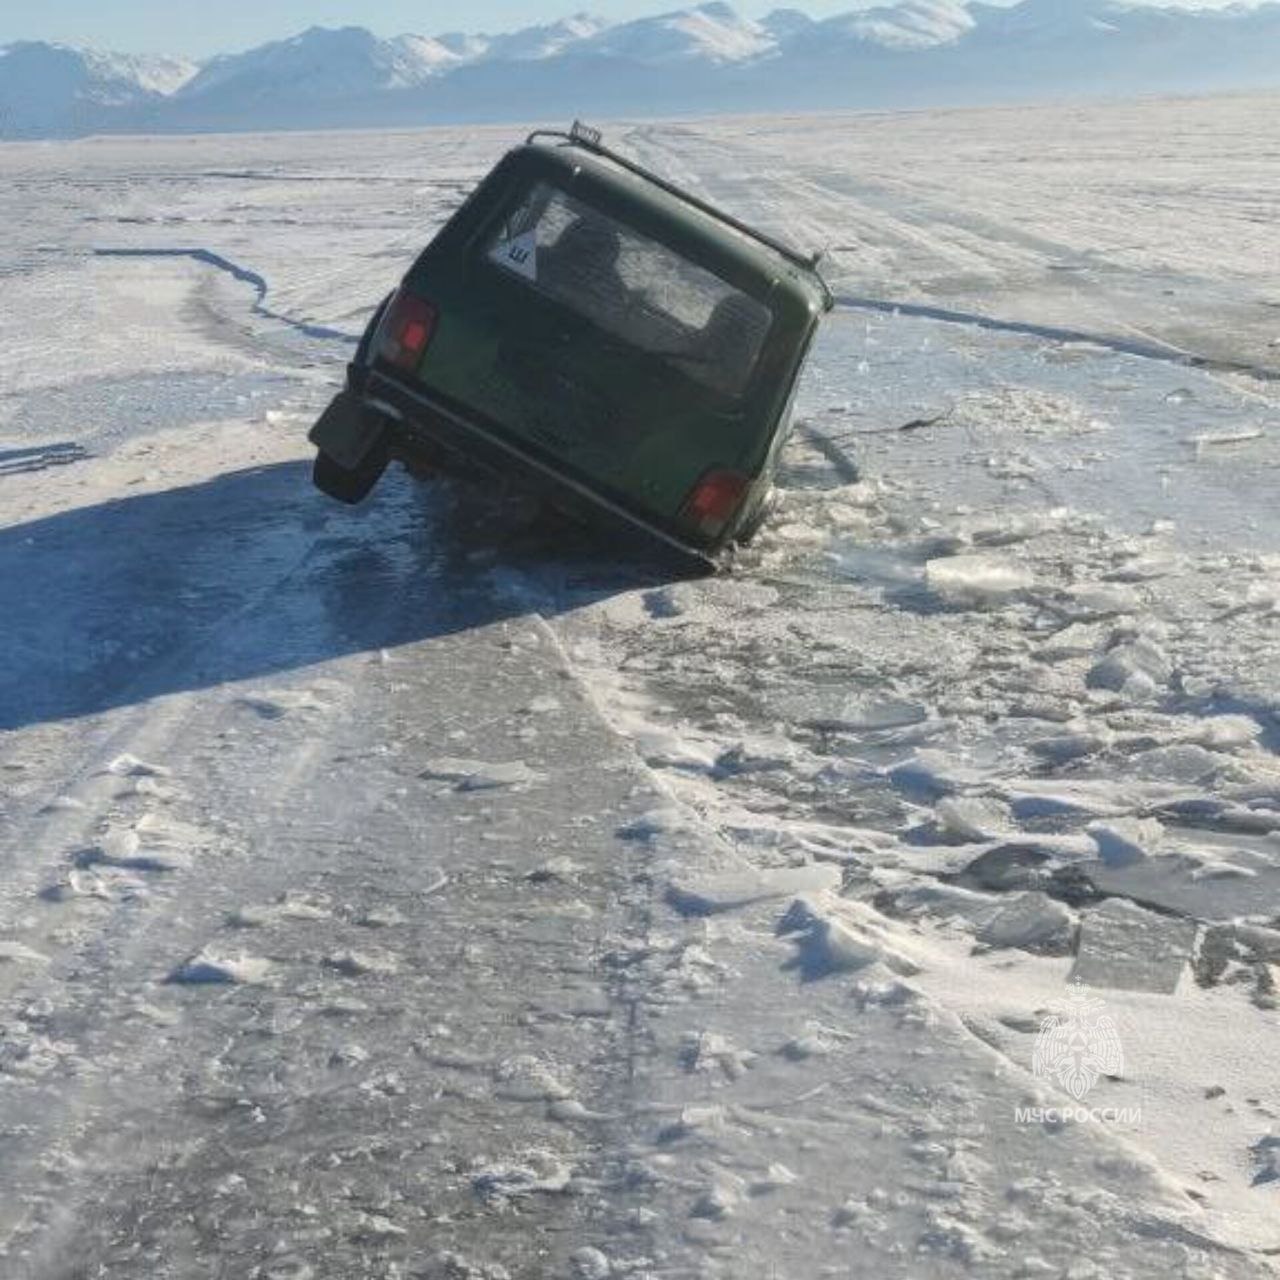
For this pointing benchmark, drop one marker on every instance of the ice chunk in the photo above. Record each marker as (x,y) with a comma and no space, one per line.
(1012,466)
(814,1042)
(666,602)
(1076,640)
(63,804)
(1142,569)
(277,704)
(128,766)
(669,820)
(525,1078)
(1031,922)
(527,1174)
(1182,763)
(477,775)
(1129,948)
(1007,867)
(774,1178)
(150,845)
(368,918)
(290,906)
(1136,668)
(561,867)
(349,1055)
(356,964)
(1033,798)
(544,705)
(1123,841)
(709,1118)
(835,941)
(974,818)
(1208,810)
(569,1110)
(1223,733)
(763,755)
(977,580)
(1209,439)
(375,1229)
(119,845)
(1087,600)
(836,948)
(869,712)
(880,990)
(1079,740)
(1266,1159)
(214,966)
(713,893)
(945,902)
(708,1052)
(720,1200)
(76,884)
(930,773)
(663,749)
(590,1263)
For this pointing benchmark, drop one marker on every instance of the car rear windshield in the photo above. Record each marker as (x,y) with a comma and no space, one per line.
(632,287)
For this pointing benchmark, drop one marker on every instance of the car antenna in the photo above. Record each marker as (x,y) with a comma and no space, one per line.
(589,139)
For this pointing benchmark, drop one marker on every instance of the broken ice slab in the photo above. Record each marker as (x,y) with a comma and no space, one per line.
(932,774)
(973,818)
(479,775)
(1031,922)
(1135,669)
(1266,1159)
(977,580)
(705,895)
(212,967)
(1127,948)
(1123,842)
(836,710)
(1033,799)
(1208,439)
(1216,879)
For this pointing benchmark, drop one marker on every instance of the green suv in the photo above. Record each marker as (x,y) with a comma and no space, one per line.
(619,346)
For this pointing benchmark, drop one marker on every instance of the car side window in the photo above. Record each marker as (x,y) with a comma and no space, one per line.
(632,287)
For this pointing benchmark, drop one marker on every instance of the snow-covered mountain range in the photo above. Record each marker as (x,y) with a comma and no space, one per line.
(50,89)
(710,57)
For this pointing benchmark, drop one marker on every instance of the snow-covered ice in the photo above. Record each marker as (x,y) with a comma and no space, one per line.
(475,905)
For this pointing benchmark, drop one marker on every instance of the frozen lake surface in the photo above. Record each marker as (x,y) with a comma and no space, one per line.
(411,892)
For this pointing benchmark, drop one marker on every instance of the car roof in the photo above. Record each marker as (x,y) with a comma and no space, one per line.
(696,229)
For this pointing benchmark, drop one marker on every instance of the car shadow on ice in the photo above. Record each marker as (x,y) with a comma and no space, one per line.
(252,572)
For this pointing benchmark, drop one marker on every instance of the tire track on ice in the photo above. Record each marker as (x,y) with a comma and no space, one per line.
(308,1055)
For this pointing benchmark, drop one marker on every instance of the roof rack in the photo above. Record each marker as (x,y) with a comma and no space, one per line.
(589,139)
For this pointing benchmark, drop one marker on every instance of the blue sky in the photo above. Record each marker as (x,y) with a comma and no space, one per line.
(197,30)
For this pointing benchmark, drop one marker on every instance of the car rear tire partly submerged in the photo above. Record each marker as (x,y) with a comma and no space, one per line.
(343,483)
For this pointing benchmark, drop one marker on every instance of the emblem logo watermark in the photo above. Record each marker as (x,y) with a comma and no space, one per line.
(1077,1045)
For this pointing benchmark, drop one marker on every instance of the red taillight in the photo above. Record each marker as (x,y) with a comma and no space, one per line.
(713,500)
(407,330)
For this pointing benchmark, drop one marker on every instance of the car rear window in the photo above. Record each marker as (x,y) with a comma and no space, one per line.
(632,287)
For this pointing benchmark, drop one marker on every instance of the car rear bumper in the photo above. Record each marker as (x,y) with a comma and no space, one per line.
(427,423)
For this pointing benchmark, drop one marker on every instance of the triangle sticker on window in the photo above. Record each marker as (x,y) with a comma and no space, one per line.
(519,254)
